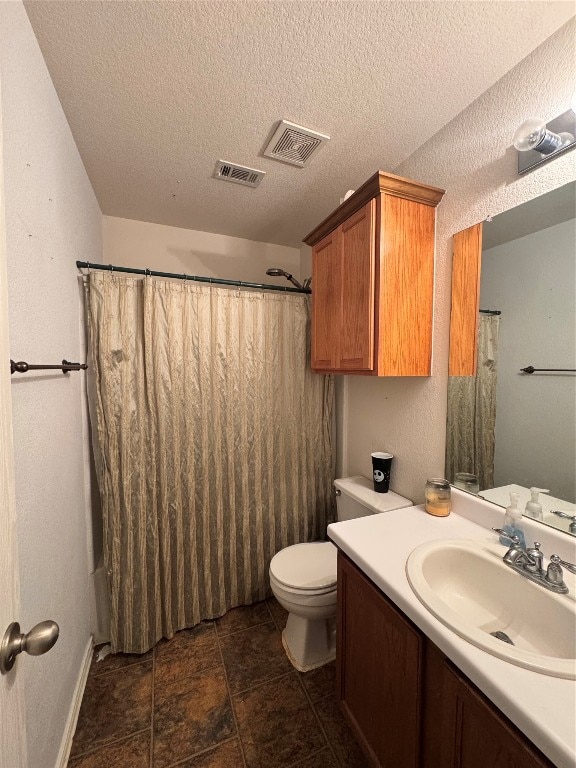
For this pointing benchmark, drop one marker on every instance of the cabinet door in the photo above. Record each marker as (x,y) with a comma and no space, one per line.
(357,248)
(464,730)
(378,671)
(326,271)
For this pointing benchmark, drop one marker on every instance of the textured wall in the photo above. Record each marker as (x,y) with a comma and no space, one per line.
(473,160)
(52,218)
(141,244)
(532,280)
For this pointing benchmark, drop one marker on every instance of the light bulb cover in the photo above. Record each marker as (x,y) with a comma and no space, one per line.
(529,134)
(566,137)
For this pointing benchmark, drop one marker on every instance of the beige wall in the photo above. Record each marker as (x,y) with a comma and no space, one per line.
(141,244)
(52,218)
(472,158)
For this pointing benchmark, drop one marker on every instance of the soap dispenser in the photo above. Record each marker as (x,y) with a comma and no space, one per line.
(512,524)
(533,507)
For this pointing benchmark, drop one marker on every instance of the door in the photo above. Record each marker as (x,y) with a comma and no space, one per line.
(326,276)
(12,723)
(343,266)
(357,258)
(378,672)
(474,734)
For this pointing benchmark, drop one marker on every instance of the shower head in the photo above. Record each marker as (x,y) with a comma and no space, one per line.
(276,272)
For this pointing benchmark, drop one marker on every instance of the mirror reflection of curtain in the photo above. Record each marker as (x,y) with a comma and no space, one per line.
(472,411)
(213,445)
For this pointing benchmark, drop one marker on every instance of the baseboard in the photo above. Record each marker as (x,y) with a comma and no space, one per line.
(66,746)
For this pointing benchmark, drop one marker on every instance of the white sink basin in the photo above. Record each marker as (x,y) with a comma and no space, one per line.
(468,588)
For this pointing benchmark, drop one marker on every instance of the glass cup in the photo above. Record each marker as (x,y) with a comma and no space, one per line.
(466,482)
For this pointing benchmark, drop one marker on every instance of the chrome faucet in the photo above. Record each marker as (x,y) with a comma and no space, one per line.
(516,551)
(529,563)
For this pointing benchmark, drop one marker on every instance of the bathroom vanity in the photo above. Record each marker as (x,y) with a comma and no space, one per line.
(415,692)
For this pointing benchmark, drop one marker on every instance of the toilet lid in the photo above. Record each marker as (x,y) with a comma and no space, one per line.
(306,566)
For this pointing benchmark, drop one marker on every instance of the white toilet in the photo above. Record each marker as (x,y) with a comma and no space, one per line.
(303,578)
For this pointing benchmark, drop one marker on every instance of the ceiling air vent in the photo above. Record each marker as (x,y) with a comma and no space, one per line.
(238,174)
(294,144)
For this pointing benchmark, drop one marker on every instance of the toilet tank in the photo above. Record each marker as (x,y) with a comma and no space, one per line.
(356,497)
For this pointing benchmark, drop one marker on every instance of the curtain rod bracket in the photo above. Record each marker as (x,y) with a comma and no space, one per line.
(66,366)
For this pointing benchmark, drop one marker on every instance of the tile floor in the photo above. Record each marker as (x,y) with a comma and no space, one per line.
(221,695)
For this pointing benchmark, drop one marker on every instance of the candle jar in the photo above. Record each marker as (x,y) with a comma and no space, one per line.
(437,493)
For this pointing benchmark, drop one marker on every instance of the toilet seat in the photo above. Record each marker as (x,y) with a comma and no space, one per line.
(306,568)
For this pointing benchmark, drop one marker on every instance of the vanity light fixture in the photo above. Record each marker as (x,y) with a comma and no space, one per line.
(538,142)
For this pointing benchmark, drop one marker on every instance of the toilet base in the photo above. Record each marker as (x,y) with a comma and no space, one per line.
(309,643)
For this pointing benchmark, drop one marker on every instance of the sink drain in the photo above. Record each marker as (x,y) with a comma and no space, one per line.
(502,636)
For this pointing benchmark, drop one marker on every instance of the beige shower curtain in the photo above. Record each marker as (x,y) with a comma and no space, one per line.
(472,411)
(213,446)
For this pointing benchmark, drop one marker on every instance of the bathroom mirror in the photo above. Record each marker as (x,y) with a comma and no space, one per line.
(514,307)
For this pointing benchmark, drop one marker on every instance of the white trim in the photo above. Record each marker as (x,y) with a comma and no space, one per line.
(13,753)
(66,745)
(342,434)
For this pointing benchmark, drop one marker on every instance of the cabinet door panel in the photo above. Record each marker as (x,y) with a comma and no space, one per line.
(379,671)
(325,302)
(473,733)
(357,290)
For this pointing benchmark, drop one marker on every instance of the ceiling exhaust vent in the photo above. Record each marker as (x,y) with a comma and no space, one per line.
(238,174)
(294,144)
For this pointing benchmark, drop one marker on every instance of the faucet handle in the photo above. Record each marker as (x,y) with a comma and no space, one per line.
(557,561)
(512,537)
(554,573)
(566,516)
(536,558)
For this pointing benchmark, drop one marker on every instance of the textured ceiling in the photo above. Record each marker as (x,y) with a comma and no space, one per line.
(156,92)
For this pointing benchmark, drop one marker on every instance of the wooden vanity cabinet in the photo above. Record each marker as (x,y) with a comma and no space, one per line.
(373,280)
(463,729)
(378,671)
(406,703)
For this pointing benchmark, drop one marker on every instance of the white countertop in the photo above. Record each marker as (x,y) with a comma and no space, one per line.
(542,707)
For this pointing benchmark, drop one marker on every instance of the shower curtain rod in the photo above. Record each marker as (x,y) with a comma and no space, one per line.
(196,278)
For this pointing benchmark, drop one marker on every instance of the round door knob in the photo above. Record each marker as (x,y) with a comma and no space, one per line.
(36,642)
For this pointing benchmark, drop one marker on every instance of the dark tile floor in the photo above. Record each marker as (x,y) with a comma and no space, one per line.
(221,695)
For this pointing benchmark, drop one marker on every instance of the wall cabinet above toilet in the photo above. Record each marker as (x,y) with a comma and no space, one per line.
(373,280)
